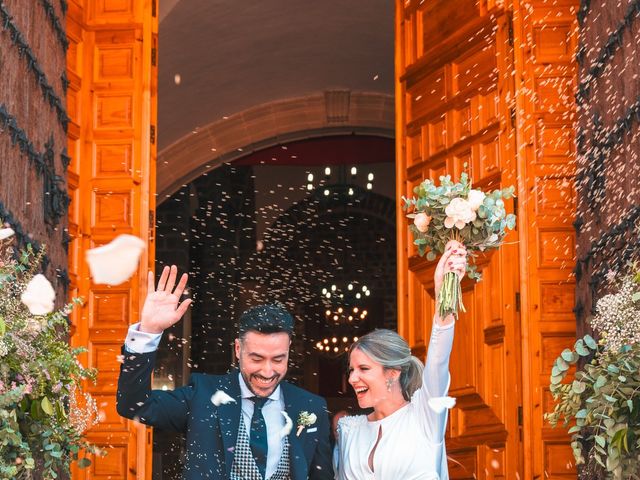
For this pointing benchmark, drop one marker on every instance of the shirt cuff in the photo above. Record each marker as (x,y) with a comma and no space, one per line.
(141,342)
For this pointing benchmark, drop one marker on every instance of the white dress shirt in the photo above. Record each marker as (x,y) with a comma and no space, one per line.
(142,342)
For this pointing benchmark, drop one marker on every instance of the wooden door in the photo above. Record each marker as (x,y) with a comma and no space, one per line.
(112,104)
(545,34)
(454,93)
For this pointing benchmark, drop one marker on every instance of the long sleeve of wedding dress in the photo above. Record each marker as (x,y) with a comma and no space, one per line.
(436,377)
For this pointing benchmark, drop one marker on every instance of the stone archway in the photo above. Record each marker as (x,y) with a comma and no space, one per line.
(334,112)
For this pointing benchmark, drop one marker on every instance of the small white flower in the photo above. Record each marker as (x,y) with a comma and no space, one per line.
(421,221)
(114,263)
(221,398)
(288,425)
(6,233)
(39,295)
(459,213)
(475,199)
(440,404)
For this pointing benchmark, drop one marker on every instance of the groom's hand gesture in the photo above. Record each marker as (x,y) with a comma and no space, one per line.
(162,307)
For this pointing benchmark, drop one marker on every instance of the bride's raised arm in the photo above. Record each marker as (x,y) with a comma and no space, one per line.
(436,378)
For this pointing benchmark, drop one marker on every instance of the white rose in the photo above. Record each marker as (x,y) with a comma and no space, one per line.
(421,221)
(459,213)
(6,233)
(39,295)
(475,199)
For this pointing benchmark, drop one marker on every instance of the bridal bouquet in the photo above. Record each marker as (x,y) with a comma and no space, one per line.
(455,211)
(43,412)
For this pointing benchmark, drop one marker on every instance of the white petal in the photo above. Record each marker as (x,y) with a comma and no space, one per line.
(288,425)
(460,224)
(312,418)
(221,398)
(115,262)
(439,404)
(39,295)
(6,233)
(449,222)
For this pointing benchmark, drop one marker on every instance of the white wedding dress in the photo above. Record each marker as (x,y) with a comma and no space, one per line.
(411,445)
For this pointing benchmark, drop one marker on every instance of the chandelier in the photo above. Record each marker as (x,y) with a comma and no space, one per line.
(336,181)
(335,346)
(344,310)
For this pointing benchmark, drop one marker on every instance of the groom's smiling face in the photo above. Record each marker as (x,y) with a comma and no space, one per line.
(263,360)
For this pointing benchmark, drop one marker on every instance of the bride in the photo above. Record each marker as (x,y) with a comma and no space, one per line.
(403,437)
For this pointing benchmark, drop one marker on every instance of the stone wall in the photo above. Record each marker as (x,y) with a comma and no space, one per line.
(33,122)
(608,144)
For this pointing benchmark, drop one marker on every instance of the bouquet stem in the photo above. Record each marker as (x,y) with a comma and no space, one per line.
(450,295)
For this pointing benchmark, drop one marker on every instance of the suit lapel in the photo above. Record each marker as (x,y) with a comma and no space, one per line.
(229,418)
(297,457)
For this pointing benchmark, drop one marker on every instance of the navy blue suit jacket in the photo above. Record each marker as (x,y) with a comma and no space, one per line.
(211,431)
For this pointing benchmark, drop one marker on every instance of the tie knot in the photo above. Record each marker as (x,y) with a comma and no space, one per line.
(259,402)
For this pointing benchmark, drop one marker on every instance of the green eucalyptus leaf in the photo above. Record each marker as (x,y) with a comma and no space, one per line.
(46,405)
(590,342)
(567,355)
(578,387)
(561,364)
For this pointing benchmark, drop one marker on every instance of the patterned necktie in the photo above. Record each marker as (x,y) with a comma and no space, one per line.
(258,435)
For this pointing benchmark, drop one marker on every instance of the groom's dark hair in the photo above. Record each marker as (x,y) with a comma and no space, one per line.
(269,318)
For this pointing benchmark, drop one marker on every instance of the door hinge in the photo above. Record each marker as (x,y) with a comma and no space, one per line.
(512,116)
(154,54)
(154,8)
(152,134)
(518,302)
(520,414)
(515,206)
(152,225)
(510,27)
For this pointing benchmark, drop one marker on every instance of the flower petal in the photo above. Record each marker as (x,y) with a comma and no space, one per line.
(114,263)
(39,295)
(449,222)
(288,425)
(440,404)
(221,398)
(6,233)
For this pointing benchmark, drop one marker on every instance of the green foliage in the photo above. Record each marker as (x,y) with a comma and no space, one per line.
(601,405)
(41,423)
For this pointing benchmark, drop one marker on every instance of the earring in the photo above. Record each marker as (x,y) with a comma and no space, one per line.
(389,384)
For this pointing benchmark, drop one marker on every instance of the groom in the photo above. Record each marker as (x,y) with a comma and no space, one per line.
(246,425)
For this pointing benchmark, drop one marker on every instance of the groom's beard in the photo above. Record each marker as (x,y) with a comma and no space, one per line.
(261,386)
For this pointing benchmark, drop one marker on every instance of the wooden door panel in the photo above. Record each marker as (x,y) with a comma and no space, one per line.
(546,39)
(112,182)
(452,105)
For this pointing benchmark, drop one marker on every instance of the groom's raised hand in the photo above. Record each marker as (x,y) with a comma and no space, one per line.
(162,307)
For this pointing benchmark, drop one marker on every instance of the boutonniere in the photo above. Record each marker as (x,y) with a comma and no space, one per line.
(221,398)
(305,419)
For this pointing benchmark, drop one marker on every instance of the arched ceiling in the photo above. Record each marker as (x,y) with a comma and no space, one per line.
(232,55)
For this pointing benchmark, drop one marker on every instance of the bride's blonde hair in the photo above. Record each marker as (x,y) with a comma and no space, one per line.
(390,350)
